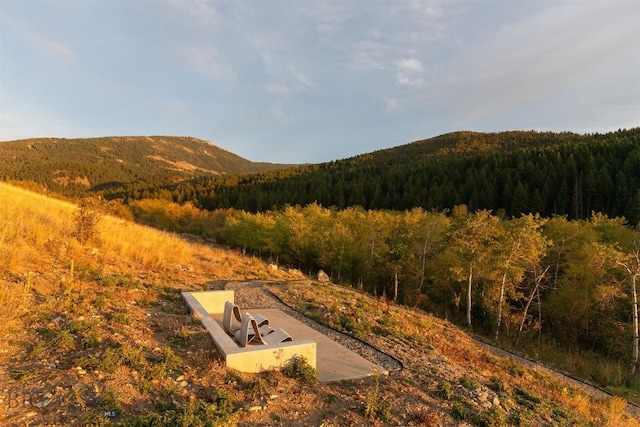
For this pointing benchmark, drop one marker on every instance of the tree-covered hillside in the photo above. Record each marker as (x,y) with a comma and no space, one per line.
(509,173)
(75,166)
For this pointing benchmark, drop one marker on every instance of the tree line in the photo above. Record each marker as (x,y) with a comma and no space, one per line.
(573,281)
(510,173)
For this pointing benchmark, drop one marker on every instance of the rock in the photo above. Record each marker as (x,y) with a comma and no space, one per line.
(496,401)
(255,408)
(183,384)
(482,396)
(323,277)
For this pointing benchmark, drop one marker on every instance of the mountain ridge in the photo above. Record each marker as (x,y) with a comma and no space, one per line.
(514,172)
(72,165)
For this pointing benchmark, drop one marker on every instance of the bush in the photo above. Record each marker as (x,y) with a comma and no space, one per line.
(86,218)
(469,383)
(301,370)
(194,413)
(445,390)
(461,413)
(493,417)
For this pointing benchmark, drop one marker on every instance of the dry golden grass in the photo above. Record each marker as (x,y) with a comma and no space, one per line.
(37,249)
(37,231)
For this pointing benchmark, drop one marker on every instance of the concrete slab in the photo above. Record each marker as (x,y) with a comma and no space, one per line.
(333,361)
(258,358)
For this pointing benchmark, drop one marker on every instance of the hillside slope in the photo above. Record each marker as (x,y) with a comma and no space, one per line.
(96,333)
(72,166)
(512,172)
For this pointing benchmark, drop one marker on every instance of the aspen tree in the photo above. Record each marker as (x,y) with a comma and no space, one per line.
(473,242)
(522,246)
(631,265)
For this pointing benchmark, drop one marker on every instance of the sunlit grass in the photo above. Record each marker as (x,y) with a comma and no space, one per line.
(38,255)
(546,395)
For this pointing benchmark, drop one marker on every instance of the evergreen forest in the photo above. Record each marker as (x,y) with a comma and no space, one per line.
(509,173)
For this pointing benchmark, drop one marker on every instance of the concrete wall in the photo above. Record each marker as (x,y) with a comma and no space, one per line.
(212,301)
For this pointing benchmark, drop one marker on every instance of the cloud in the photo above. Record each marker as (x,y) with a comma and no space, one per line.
(369,55)
(44,43)
(552,63)
(404,80)
(206,60)
(557,52)
(279,114)
(281,64)
(199,12)
(409,65)
(409,72)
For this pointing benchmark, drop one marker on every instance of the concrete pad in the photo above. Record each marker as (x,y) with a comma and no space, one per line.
(258,358)
(333,361)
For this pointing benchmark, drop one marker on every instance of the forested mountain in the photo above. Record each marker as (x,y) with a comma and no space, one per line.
(75,166)
(509,173)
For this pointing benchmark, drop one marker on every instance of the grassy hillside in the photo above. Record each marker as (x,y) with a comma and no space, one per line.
(73,166)
(100,326)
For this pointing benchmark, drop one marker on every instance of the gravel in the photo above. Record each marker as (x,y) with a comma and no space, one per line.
(252,295)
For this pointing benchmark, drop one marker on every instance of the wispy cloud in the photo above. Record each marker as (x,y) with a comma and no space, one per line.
(41,42)
(200,13)
(173,108)
(285,74)
(369,55)
(549,55)
(207,61)
(411,65)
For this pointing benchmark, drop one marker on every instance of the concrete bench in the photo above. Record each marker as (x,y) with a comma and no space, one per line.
(208,307)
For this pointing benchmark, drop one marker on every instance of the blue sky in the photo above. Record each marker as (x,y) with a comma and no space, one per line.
(313,81)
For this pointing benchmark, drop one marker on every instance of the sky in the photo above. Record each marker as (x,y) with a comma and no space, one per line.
(313,81)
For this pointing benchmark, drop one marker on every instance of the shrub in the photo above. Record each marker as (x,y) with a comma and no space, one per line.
(615,404)
(194,413)
(469,383)
(461,413)
(445,390)
(493,417)
(301,370)
(86,218)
